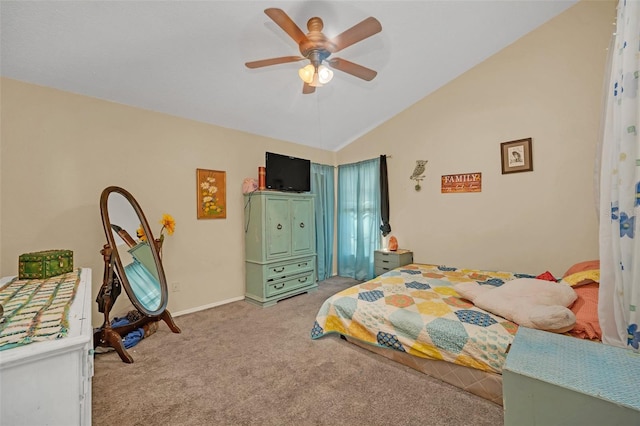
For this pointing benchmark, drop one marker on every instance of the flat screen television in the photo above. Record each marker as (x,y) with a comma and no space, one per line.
(286,173)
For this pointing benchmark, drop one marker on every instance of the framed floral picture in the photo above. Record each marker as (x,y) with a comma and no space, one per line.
(211,194)
(516,156)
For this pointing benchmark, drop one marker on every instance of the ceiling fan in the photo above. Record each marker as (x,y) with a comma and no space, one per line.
(316,47)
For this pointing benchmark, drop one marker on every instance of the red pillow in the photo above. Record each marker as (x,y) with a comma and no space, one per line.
(546,276)
(585,309)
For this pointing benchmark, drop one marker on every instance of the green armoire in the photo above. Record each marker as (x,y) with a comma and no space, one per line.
(280,246)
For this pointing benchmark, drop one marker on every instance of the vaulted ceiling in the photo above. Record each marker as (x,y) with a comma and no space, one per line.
(186,58)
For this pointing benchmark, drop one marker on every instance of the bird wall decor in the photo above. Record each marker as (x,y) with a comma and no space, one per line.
(417,174)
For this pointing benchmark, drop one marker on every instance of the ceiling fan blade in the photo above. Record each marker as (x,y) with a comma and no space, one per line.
(358,32)
(307,89)
(282,19)
(352,68)
(274,61)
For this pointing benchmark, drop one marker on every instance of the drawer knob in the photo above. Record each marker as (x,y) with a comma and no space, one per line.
(279,226)
(301,224)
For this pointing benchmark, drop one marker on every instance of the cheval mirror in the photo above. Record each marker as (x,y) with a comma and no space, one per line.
(131,263)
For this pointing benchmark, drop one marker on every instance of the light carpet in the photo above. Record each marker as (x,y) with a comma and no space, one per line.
(239,364)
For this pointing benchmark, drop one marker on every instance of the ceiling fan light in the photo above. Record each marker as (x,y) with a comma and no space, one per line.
(306,73)
(316,81)
(324,74)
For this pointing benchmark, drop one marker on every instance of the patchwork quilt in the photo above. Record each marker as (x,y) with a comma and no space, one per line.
(415,309)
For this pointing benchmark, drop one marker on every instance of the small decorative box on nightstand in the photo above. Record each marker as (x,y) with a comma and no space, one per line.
(385,261)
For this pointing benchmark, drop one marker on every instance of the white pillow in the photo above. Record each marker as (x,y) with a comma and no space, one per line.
(529,302)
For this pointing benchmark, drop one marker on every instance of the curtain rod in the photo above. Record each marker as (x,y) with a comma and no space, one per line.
(388,156)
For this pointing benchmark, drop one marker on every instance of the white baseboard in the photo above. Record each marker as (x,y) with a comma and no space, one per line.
(209,306)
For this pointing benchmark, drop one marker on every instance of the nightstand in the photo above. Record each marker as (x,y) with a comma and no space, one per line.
(385,260)
(551,379)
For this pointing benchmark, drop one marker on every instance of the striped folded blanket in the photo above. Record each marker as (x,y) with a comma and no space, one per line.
(36,310)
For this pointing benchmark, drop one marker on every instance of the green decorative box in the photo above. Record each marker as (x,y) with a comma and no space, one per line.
(45,264)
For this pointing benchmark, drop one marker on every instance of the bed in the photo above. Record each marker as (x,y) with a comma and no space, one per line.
(413,315)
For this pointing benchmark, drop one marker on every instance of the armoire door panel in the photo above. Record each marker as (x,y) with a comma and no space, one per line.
(302,226)
(278,228)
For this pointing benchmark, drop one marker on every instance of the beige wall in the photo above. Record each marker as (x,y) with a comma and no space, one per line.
(60,150)
(547,86)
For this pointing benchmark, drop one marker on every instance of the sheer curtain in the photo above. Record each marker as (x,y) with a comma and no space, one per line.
(322,186)
(619,301)
(358,218)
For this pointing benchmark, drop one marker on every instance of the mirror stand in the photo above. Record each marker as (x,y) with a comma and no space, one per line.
(132,265)
(108,336)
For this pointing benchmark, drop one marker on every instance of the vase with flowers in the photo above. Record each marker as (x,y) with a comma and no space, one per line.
(168,223)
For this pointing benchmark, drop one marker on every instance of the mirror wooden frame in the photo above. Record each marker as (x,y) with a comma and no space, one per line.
(115,278)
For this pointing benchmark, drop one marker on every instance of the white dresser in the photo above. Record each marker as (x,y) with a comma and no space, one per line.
(49,383)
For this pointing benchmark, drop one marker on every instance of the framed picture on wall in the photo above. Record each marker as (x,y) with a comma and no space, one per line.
(516,156)
(211,194)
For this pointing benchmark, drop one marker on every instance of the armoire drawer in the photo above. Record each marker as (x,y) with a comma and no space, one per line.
(277,287)
(276,271)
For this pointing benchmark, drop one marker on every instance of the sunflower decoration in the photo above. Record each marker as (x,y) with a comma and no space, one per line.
(168,223)
(140,234)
